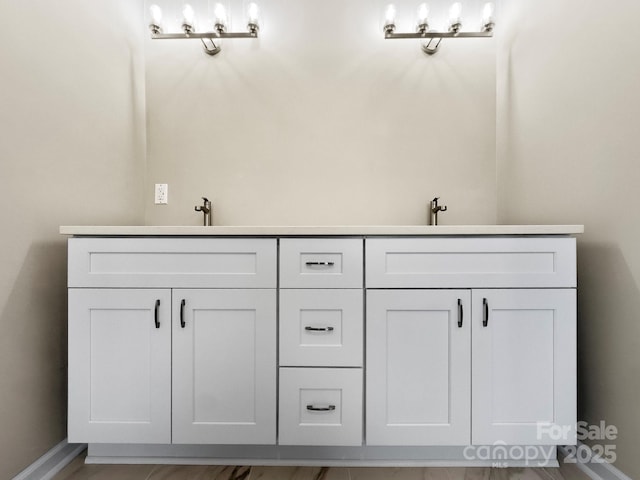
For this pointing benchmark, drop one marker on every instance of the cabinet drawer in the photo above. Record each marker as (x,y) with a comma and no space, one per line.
(320,406)
(173,262)
(321,263)
(471,262)
(321,328)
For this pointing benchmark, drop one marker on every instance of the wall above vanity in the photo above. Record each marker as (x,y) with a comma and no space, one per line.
(321,121)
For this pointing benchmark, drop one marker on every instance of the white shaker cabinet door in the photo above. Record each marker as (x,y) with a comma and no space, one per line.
(418,367)
(524,366)
(224,366)
(119,366)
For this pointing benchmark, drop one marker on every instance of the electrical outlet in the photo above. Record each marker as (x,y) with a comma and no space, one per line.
(162,193)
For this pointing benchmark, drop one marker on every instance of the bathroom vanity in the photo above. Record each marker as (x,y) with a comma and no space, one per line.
(447,345)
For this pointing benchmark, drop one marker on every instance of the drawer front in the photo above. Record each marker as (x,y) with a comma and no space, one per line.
(320,406)
(173,262)
(321,328)
(321,263)
(471,262)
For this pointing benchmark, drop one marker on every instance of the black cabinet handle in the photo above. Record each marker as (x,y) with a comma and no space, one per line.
(182,322)
(328,408)
(319,329)
(460,313)
(485,312)
(156,314)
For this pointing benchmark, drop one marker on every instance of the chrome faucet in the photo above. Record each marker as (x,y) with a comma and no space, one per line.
(206,210)
(434,208)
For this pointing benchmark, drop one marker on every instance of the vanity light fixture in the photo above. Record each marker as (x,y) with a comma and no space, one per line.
(189,30)
(434,37)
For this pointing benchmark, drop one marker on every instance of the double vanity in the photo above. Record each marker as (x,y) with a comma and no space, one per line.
(447,345)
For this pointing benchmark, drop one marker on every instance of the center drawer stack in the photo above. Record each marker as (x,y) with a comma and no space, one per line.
(321,341)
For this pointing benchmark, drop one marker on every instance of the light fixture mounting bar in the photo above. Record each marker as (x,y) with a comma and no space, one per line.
(209,35)
(391,36)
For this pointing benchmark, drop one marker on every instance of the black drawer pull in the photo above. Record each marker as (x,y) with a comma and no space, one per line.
(485,312)
(328,408)
(319,264)
(156,314)
(319,329)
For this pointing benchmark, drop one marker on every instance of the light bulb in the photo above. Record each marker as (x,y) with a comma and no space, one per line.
(455,11)
(487,17)
(220,14)
(423,12)
(156,19)
(252,12)
(390,18)
(156,14)
(252,17)
(454,16)
(188,17)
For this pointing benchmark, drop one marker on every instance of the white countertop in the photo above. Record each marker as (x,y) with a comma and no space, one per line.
(319,230)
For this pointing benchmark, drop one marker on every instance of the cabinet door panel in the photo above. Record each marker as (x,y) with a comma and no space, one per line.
(119,366)
(224,366)
(418,368)
(524,365)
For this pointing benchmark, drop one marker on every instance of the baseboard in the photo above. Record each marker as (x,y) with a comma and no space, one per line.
(326,456)
(595,468)
(48,465)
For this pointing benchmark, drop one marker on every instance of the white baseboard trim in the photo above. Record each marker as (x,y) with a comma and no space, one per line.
(595,468)
(48,465)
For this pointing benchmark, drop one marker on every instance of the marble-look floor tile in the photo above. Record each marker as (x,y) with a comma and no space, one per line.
(199,472)
(518,474)
(432,473)
(567,471)
(455,473)
(226,472)
(299,473)
(77,470)
(477,473)
(405,473)
(178,472)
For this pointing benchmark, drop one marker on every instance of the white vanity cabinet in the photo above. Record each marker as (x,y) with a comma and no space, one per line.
(168,365)
(521,374)
(404,348)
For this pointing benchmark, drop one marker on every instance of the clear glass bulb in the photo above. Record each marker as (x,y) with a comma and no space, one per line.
(390,17)
(487,16)
(252,13)
(156,15)
(220,14)
(423,12)
(454,13)
(188,15)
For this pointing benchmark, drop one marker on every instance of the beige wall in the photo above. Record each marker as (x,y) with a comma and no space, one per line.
(322,121)
(71,152)
(569,152)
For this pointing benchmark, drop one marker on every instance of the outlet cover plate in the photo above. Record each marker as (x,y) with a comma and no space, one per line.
(162,194)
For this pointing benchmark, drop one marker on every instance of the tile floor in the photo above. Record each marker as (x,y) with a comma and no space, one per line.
(77,470)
